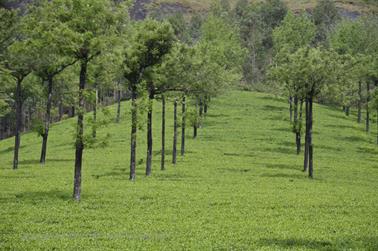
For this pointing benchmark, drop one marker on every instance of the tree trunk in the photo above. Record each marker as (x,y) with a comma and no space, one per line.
(347,108)
(149,133)
(47,120)
(94,126)
(291,107)
(118,106)
(377,125)
(134,117)
(80,131)
(1,128)
(60,109)
(200,111)
(183,125)
(296,124)
(73,113)
(311,147)
(205,105)
(359,113)
(174,152)
(306,150)
(195,124)
(162,164)
(367,107)
(299,132)
(18,122)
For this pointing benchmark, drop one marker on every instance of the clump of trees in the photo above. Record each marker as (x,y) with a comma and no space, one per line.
(65,56)
(326,59)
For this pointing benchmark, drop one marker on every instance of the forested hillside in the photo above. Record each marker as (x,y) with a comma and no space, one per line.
(349,8)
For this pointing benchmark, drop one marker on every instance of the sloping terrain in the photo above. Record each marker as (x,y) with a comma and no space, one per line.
(240,186)
(348,8)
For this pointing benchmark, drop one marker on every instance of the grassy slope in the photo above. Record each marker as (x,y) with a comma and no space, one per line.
(239,187)
(349,5)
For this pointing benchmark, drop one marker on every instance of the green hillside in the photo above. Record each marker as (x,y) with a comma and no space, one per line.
(239,187)
(347,5)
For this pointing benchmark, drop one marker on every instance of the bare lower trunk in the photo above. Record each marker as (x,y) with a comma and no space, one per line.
(183,126)
(133,135)
(296,124)
(377,125)
(18,123)
(174,152)
(60,110)
(162,164)
(367,107)
(291,108)
(306,150)
(80,132)
(73,112)
(347,109)
(311,147)
(195,124)
(47,121)
(94,126)
(149,135)
(359,113)
(205,105)
(200,111)
(118,106)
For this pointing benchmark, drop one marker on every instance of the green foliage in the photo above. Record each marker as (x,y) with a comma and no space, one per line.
(150,42)
(8,25)
(179,26)
(325,16)
(256,22)
(294,32)
(307,71)
(221,43)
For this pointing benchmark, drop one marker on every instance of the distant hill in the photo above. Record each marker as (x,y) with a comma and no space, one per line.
(348,8)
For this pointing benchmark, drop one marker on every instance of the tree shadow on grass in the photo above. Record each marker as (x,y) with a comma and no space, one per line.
(280,99)
(43,195)
(239,155)
(281,166)
(283,129)
(338,116)
(209,115)
(234,170)
(274,108)
(10,149)
(173,177)
(283,175)
(278,117)
(368,150)
(282,150)
(296,243)
(117,174)
(343,127)
(352,139)
(36,161)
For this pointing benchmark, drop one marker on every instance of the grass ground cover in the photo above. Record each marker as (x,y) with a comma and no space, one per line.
(239,187)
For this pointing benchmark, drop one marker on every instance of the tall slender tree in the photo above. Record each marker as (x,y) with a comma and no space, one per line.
(85,28)
(150,42)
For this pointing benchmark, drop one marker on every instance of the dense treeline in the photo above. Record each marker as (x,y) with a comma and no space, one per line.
(64,58)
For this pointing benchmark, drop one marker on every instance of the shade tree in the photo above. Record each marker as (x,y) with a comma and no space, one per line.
(85,29)
(295,32)
(151,40)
